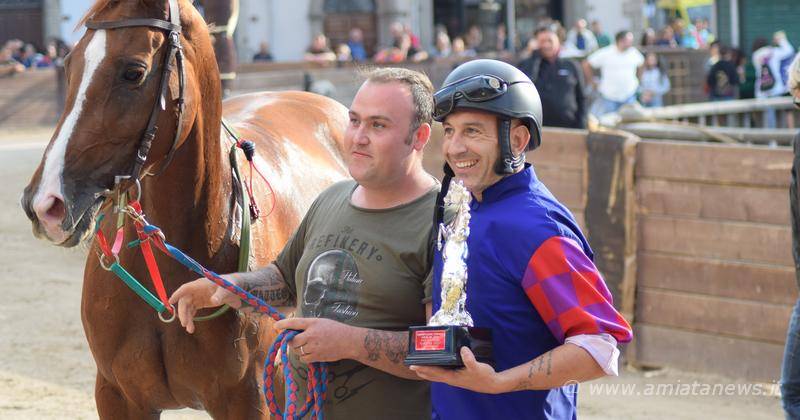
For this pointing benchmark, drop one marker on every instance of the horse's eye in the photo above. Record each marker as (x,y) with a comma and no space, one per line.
(133,74)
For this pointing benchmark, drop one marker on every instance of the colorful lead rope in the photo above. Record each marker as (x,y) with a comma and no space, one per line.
(317,372)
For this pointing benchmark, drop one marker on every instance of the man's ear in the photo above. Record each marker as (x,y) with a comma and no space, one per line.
(421,136)
(520,137)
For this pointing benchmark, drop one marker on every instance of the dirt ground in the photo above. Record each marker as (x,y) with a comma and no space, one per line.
(47,372)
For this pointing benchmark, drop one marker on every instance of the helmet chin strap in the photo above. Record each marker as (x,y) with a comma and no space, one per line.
(507,163)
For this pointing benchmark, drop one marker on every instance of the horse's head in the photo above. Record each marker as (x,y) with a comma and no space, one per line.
(114,95)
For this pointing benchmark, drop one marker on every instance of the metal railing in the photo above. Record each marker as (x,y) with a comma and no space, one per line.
(771,121)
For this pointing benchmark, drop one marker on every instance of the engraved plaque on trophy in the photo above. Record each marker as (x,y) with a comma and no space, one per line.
(450,328)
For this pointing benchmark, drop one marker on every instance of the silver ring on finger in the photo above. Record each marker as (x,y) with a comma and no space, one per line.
(303,352)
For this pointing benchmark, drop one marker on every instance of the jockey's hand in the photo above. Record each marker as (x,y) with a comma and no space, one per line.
(199,294)
(475,376)
(321,339)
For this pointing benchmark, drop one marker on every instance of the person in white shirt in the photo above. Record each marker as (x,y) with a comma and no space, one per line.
(620,65)
(768,62)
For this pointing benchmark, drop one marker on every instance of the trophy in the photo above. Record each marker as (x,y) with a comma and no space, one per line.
(450,328)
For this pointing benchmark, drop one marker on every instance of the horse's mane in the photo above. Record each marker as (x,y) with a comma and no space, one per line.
(98,7)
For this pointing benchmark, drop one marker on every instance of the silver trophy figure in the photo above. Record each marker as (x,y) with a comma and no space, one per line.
(450,328)
(454,272)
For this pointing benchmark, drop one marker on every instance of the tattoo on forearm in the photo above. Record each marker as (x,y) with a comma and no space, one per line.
(536,366)
(267,284)
(392,345)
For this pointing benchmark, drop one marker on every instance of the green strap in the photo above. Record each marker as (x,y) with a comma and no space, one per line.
(244,240)
(137,287)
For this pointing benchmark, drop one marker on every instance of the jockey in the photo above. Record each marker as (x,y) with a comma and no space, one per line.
(532,279)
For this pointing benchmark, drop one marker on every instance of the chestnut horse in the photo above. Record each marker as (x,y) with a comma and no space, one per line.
(114,74)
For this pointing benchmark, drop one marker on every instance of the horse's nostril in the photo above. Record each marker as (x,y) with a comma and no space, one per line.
(50,210)
(56,210)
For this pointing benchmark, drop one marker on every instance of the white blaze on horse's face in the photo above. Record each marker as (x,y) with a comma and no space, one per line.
(48,203)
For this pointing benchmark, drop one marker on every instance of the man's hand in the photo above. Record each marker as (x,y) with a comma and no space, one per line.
(198,294)
(475,376)
(321,339)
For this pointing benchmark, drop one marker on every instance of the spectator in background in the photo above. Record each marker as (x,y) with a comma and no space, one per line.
(502,42)
(263,53)
(343,54)
(769,81)
(654,82)
(415,43)
(319,51)
(713,55)
(15,47)
(603,40)
(667,38)
(649,38)
(581,38)
(460,49)
(559,82)
(402,48)
(8,65)
(678,31)
(790,371)
(32,59)
(441,47)
(619,65)
(356,44)
(745,72)
(473,39)
(723,78)
(704,35)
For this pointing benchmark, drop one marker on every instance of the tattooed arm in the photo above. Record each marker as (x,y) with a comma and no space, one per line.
(325,340)
(563,365)
(267,283)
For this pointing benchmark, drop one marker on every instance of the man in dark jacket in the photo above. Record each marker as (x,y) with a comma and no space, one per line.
(559,81)
(790,375)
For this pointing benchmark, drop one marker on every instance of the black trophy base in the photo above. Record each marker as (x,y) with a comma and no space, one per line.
(441,345)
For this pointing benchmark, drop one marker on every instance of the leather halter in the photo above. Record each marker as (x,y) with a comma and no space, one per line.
(174,54)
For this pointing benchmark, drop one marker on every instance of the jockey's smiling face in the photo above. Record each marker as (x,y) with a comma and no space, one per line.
(471,148)
(379,141)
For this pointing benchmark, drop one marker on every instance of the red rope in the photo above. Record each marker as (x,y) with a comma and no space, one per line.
(249,184)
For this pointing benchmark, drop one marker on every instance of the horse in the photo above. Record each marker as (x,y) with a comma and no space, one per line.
(116,109)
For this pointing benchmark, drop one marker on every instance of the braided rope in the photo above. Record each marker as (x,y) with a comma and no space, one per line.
(317,380)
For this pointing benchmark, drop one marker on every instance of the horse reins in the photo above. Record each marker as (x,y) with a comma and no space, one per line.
(147,233)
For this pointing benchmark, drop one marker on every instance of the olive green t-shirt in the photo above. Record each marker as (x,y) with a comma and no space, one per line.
(367,268)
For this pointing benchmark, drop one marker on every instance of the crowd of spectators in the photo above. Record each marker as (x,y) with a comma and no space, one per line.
(17,56)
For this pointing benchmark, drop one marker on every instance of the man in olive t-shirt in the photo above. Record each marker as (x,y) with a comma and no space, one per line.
(368,268)
(358,266)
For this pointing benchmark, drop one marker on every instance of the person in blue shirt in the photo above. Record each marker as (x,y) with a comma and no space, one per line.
(531,276)
(356,44)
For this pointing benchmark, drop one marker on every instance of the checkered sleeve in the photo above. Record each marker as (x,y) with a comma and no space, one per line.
(570,294)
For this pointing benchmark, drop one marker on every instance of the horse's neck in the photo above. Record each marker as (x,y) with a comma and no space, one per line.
(190,200)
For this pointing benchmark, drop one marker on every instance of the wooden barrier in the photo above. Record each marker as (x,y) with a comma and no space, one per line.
(29,99)
(715,281)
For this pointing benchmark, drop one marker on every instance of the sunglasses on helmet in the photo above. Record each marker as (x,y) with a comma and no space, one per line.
(478,88)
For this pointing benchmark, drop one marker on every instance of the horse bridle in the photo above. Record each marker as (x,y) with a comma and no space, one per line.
(174,54)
